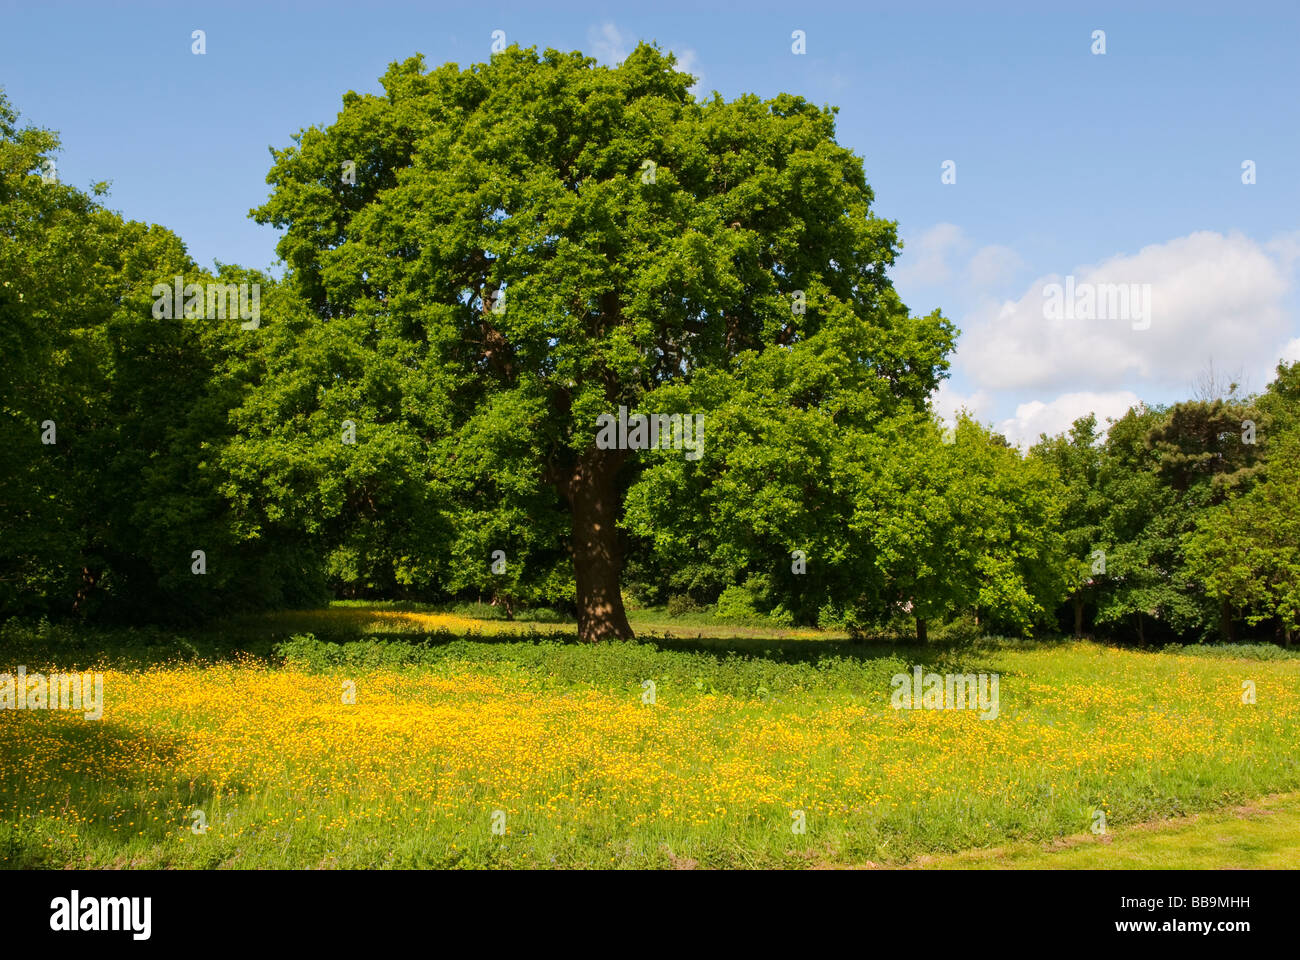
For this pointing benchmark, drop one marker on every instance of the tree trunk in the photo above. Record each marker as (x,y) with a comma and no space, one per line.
(87,585)
(597,559)
(506,604)
(922,633)
(1142,639)
(1225,621)
(1078,615)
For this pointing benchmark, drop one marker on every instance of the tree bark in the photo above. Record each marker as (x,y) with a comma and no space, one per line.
(1225,621)
(88,581)
(1078,615)
(592,492)
(922,632)
(505,603)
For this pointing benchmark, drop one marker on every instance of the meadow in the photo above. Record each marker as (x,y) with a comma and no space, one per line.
(381,736)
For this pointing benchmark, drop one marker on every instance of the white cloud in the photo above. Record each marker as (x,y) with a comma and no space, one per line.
(934,259)
(1213,298)
(1056,416)
(1286,248)
(925,261)
(608,44)
(993,266)
(948,402)
(688,61)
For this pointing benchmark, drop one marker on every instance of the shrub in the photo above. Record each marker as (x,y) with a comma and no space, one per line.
(960,629)
(780,616)
(830,617)
(736,605)
(680,604)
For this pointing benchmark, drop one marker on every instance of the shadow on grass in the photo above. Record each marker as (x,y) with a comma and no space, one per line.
(95,777)
(261,635)
(709,654)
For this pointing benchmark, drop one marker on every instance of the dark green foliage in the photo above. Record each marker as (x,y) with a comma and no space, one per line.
(104,520)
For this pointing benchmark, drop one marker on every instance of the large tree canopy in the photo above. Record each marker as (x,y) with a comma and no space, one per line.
(496,256)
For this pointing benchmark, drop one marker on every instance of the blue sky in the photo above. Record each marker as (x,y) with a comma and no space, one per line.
(1124,167)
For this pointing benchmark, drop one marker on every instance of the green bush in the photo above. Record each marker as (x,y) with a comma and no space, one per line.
(736,605)
(960,629)
(680,604)
(831,617)
(1234,651)
(780,616)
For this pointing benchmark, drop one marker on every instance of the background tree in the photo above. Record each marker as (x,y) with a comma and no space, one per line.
(104,520)
(1135,586)
(1201,454)
(1245,549)
(965,525)
(1077,459)
(1161,469)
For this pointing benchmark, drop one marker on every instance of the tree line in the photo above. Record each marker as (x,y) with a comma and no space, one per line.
(480,264)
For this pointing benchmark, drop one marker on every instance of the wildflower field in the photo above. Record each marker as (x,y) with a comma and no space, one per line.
(358,737)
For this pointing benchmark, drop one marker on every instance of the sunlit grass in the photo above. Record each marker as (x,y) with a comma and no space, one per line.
(557,737)
(1260,835)
(366,619)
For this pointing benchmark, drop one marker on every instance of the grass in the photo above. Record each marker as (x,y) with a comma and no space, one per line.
(1260,835)
(490,621)
(461,724)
